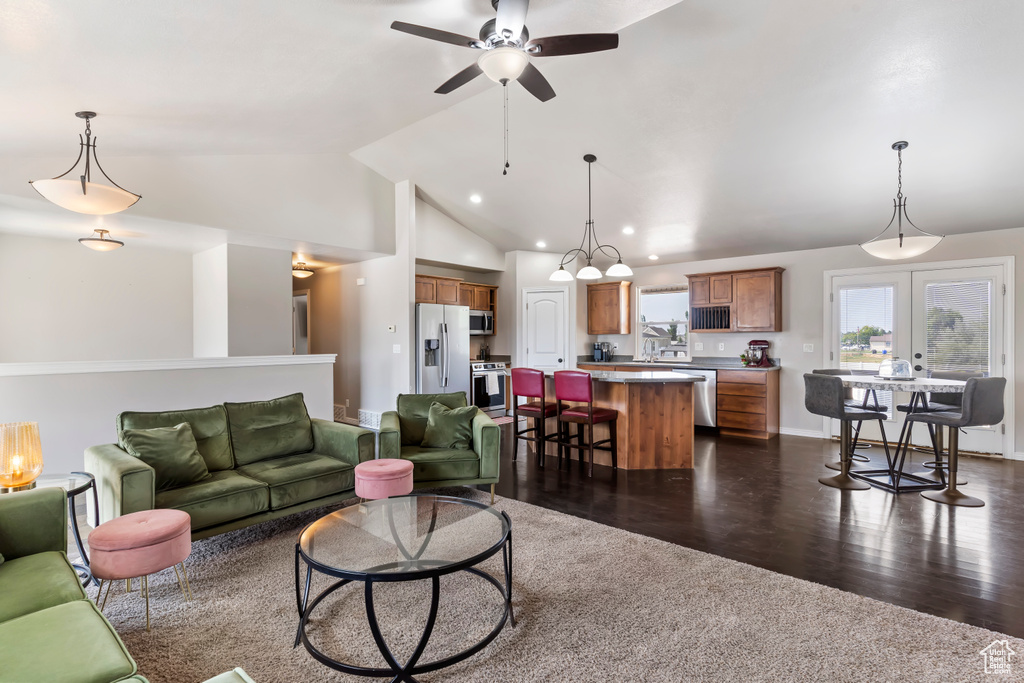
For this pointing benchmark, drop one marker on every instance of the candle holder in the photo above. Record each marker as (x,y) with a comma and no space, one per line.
(21,457)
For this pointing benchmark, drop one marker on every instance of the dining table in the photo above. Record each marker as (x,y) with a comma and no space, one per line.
(892,478)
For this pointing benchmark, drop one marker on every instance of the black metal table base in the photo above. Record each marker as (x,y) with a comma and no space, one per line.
(431,570)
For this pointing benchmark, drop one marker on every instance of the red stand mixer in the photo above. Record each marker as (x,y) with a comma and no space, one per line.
(757,354)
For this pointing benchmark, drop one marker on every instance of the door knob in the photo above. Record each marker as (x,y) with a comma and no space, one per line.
(918,368)
(917,355)
(559,360)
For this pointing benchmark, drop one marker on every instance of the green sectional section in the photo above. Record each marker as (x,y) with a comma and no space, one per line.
(21,578)
(269,429)
(34,521)
(297,478)
(69,643)
(222,497)
(209,427)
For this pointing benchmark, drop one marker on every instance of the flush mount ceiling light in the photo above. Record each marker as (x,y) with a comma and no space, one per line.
(627,230)
(300,269)
(902,245)
(101,243)
(82,195)
(589,271)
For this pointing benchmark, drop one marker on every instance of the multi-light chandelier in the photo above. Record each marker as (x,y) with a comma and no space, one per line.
(902,245)
(593,246)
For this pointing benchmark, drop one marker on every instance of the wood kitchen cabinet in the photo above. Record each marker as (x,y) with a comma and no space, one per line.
(736,301)
(447,291)
(748,403)
(426,290)
(481,298)
(608,307)
(432,289)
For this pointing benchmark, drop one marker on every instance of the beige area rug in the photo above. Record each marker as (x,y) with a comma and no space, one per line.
(593,603)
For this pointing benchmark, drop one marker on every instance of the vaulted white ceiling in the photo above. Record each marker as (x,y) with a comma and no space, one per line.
(720,127)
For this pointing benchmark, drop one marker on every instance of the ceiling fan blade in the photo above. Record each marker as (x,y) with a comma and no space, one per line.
(460,79)
(534,81)
(436,34)
(555,46)
(511,17)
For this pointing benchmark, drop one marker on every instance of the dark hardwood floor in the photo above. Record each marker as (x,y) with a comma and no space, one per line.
(761,503)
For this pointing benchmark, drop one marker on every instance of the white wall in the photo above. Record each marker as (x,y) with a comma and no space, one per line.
(61,301)
(372,374)
(444,241)
(210,302)
(75,411)
(326,320)
(259,301)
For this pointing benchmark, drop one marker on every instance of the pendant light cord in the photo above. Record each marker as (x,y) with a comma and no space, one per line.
(504,171)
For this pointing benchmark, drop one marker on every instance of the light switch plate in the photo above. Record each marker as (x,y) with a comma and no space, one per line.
(391,328)
(721,346)
(397,348)
(698,346)
(808,348)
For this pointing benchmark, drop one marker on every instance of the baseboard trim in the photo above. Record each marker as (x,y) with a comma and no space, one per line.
(809,433)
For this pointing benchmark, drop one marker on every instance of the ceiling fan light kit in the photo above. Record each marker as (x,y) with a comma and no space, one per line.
(503,64)
(593,246)
(901,245)
(81,195)
(101,242)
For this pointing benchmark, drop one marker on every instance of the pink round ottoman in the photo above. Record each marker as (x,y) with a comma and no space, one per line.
(383,478)
(140,544)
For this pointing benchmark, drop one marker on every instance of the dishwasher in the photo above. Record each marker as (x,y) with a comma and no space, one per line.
(705,397)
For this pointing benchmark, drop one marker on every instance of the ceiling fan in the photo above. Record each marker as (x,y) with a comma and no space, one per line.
(507,49)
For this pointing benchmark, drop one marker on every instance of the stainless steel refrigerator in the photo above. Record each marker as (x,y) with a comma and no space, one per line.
(442,349)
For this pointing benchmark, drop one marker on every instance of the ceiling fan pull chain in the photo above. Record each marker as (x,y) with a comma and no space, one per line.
(504,88)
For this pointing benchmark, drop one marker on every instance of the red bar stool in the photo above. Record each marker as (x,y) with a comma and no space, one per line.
(576,386)
(530,384)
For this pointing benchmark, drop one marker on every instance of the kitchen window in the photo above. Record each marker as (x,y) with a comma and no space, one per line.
(664,322)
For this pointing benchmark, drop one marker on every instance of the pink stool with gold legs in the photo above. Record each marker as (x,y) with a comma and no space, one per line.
(383,478)
(140,544)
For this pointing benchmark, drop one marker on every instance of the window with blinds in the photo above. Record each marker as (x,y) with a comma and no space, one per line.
(958,325)
(866,334)
(664,320)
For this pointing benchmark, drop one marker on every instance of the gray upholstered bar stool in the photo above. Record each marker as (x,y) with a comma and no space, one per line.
(825,395)
(982,405)
(938,401)
(851,402)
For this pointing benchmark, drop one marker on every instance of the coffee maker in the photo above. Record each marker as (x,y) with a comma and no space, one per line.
(757,353)
(602,351)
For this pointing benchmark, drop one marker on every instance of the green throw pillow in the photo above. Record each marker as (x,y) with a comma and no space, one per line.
(449,427)
(171,452)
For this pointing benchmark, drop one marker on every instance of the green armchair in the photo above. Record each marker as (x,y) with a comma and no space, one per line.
(401,432)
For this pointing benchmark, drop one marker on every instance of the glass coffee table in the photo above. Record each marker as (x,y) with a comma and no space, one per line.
(406,538)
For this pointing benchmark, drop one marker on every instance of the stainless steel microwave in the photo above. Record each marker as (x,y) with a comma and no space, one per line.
(481,322)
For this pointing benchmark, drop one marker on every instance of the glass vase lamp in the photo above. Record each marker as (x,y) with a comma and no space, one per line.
(21,457)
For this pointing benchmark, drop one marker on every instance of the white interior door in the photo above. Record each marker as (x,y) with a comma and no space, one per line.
(546,334)
(958,325)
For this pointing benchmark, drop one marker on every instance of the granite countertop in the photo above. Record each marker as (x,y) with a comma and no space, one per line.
(699,364)
(654,376)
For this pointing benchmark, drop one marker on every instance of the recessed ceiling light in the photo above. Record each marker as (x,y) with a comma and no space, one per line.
(653,257)
(475,198)
(627,230)
(541,245)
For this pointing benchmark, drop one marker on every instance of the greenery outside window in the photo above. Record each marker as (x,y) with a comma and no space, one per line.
(664,322)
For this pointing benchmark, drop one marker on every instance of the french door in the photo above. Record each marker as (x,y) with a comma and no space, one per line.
(939,319)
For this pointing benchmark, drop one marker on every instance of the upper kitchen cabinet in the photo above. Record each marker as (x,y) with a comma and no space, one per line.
(608,307)
(432,289)
(736,301)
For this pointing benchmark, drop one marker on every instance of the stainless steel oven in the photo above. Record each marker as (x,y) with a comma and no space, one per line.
(481,322)
(488,381)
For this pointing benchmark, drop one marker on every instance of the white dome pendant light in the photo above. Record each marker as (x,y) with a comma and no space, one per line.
(901,246)
(589,271)
(81,195)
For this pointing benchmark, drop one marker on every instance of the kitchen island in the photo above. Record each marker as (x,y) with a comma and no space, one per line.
(655,425)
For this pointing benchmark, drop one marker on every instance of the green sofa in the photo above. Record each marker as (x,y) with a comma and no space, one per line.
(49,629)
(401,432)
(267,459)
